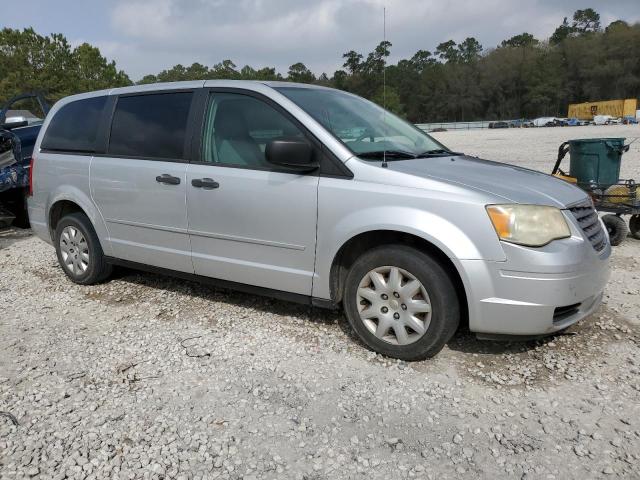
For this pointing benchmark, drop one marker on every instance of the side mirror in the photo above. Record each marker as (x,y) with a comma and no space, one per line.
(292,154)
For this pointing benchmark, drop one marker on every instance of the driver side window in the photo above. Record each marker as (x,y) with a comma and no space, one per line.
(238,128)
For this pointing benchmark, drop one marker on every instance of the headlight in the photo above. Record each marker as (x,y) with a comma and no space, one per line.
(531,225)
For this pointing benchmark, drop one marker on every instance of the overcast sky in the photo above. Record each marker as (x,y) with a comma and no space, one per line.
(147,36)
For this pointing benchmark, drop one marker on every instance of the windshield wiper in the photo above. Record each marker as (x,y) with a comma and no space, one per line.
(437,151)
(391,154)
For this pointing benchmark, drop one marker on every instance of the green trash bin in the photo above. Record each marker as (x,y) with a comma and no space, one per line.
(596,160)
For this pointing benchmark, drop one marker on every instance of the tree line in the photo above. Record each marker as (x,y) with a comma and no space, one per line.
(523,77)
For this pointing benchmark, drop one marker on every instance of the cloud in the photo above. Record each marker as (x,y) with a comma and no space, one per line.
(150,35)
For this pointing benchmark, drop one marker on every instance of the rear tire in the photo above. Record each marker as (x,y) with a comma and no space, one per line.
(634,226)
(617,229)
(79,251)
(401,302)
(20,210)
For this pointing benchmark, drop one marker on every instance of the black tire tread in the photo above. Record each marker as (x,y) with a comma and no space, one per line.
(617,229)
(634,226)
(445,317)
(99,270)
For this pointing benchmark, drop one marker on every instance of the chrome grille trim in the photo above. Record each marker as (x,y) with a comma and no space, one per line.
(588,220)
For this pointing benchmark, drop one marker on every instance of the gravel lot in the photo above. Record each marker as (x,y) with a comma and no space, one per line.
(150,377)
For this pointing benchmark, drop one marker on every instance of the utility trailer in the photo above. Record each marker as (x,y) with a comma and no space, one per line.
(595,168)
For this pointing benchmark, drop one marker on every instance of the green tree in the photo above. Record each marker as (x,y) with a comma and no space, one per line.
(616,24)
(522,40)
(340,79)
(421,60)
(470,50)
(267,73)
(324,80)
(562,32)
(377,59)
(224,70)
(352,62)
(585,21)
(448,52)
(95,72)
(176,73)
(390,99)
(33,62)
(522,77)
(298,72)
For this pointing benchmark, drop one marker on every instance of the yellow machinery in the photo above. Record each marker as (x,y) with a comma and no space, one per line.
(566,178)
(615,108)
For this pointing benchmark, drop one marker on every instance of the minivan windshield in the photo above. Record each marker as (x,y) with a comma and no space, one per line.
(368,130)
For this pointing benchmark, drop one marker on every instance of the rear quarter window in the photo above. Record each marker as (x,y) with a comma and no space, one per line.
(150,126)
(74,127)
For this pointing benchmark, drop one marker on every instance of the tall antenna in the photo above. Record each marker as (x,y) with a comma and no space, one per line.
(384,58)
(384,84)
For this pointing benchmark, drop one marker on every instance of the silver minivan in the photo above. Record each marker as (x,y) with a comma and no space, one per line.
(314,195)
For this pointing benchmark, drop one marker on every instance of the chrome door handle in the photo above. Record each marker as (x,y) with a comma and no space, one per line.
(168,179)
(206,183)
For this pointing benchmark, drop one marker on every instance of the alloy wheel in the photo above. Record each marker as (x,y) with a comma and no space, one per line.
(74,250)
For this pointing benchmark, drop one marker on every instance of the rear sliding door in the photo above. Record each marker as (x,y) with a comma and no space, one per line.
(139,185)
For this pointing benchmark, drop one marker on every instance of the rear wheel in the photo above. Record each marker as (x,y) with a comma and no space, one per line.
(20,210)
(79,251)
(401,302)
(616,227)
(634,226)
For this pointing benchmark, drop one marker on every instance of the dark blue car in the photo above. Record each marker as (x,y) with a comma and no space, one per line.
(18,133)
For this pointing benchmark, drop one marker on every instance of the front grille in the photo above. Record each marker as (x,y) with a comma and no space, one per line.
(588,220)
(560,313)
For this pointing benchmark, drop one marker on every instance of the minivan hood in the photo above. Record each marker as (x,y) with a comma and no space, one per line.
(515,184)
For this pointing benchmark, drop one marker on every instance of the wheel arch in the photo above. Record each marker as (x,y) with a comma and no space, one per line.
(69,202)
(349,252)
(60,209)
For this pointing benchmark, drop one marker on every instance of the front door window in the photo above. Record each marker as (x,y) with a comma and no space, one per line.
(238,128)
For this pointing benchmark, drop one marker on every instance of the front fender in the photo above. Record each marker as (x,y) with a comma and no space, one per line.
(428,226)
(435,229)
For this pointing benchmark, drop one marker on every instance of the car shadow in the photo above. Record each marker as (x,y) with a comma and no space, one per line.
(225,295)
(463,340)
(11,235)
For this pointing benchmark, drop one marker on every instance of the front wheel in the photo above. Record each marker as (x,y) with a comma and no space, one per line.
(617,229)
(401,302)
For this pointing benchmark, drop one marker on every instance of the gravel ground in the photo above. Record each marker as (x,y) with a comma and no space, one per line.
(150,377)
(537,148)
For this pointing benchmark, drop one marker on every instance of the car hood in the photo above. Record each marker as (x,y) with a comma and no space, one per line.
(514,184)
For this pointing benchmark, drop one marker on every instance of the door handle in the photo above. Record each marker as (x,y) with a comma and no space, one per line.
(206,183)
(168,179)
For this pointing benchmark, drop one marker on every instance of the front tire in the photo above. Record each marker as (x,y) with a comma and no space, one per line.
(401,302)
(79,251)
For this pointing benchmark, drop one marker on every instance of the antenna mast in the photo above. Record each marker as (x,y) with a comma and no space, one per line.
(384,64)
(384,82)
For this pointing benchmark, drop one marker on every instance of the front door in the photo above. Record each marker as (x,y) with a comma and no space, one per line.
(140,185)
(250,222)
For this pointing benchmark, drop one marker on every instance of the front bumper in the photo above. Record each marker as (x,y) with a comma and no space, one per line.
(536,291)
